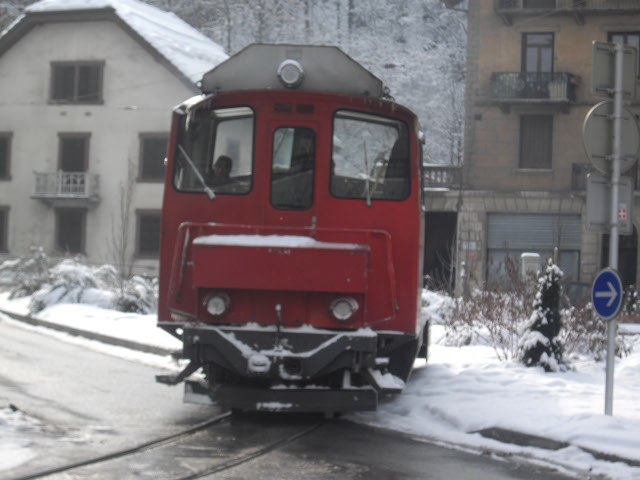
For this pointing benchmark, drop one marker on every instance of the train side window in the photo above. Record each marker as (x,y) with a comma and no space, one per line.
(293,165)
(370,157)
(215,151)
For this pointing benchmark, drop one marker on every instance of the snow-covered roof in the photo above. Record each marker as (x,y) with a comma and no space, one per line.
(189,51)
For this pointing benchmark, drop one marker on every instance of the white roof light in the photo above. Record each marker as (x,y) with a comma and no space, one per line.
(290,73)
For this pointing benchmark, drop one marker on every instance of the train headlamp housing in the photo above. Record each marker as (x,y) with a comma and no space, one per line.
(343,308)
(290,73)
(217,303)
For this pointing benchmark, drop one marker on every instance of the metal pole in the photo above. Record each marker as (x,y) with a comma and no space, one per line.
(613,235)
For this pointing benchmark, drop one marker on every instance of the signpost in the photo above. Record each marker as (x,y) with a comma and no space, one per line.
(598,208)
(613,76)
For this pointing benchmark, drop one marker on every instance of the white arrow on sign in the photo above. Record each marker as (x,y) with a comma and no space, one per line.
(612,294)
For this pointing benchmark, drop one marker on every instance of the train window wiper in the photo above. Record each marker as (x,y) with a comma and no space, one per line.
(367,182)
(206,188)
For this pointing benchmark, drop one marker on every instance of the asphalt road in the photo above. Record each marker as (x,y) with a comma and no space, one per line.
(91,403)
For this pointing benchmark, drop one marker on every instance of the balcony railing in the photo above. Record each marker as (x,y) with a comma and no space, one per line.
(567,5)
(514,87)
(66,185)
(578,8)
(442,176)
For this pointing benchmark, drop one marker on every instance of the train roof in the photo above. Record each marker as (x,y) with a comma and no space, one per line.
(315,68)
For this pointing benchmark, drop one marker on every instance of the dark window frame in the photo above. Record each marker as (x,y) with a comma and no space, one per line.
(406,144)
(550,4)
(142,251)
(524,53)
(4,229)
(59,231)
(5,156)
(295,198)
(75,96)
(144,174)
(525,160)
(204,163)
(62,136)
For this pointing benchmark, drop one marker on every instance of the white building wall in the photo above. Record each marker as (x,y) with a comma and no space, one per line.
(139,93)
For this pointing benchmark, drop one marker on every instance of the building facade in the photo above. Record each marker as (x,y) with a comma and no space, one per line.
(86,93)
(522,188)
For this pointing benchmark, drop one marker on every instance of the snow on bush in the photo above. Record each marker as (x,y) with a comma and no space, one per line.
(71,281)
(27,272)
(500,319)
(488,318)
(542,344)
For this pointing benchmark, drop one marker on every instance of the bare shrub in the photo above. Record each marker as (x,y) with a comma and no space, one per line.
(496,318)
(584,333)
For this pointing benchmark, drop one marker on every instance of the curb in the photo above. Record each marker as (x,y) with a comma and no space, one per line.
(76,332)
(525,440)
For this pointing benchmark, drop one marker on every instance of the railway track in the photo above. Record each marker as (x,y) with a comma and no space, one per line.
(192,453)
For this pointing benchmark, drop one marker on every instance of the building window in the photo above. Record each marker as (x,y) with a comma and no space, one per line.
(536,134)
(148,233)
(539,3)
(77,82)
(5,151)
(73,152)
(70,230)
(4,228)
(153,150)
(627,38)
(537,53)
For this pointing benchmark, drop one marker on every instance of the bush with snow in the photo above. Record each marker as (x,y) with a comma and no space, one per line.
(71,281)
(542,345)
(584,333)
(496,319)
(500,319)
(26,273)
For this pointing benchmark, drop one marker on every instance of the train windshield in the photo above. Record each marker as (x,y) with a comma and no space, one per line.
(292,168)
(370,157)
(215,151)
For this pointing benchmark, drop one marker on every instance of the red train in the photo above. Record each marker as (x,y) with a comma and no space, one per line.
(292,234)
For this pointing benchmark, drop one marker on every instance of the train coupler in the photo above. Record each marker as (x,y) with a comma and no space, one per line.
(176,378)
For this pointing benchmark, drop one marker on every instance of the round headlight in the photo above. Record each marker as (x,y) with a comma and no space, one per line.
(344,308)
(290,73)
(217,304)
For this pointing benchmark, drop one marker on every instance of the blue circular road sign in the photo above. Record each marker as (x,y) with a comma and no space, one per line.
(606,294)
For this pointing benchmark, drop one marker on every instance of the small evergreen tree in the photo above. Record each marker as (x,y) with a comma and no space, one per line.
(541,344)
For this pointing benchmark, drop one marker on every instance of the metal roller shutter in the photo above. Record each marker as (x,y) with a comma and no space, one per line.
(532,231)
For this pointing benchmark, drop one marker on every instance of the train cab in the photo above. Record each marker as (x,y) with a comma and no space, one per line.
(292,234)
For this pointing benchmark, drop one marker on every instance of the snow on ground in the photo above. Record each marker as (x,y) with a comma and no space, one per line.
(459,391)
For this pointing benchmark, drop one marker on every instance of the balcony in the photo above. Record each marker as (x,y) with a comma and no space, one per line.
(508,9)
(445,177)
(551,88)
(67,188)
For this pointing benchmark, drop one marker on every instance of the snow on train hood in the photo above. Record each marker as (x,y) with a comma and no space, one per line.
(182,45)
(273,241)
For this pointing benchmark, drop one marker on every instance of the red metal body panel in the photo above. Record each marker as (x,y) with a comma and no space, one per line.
(385,268)
(279,268)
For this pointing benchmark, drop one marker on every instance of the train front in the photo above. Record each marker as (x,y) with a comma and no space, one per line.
(292,235)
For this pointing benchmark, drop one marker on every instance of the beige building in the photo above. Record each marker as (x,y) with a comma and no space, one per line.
(86,93)
(522,188)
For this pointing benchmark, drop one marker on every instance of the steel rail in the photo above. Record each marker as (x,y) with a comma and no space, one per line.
(234,462)
(128,451)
